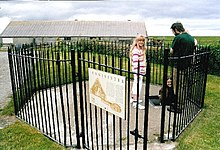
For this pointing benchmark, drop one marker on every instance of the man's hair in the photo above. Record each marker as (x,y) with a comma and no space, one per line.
(178,26)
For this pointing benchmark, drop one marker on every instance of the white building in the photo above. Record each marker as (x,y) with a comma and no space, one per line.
(19,32)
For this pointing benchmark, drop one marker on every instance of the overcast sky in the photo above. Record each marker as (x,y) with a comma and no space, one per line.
(199,17)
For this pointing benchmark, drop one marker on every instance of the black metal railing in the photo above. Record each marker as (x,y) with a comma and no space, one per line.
(189,81)
(50,84)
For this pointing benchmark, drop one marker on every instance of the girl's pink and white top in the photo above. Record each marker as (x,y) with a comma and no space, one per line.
(138,55)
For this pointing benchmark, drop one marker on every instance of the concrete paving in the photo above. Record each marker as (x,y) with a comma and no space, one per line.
(5,81)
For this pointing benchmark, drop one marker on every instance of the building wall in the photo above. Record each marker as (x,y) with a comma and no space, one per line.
(19,41)
(31,40)
(7,40)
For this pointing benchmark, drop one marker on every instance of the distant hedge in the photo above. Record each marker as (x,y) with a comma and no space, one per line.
(214,61)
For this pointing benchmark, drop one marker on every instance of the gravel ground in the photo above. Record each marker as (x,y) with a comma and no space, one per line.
(5,81)
(5,89)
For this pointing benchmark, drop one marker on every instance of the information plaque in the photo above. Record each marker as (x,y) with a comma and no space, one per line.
(107,91)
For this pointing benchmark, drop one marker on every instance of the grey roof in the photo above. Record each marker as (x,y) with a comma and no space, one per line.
(74,29)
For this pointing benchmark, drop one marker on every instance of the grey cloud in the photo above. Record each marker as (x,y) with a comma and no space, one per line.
(146,9)
(162,11)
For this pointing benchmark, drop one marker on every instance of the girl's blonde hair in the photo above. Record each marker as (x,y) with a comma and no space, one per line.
(138,38)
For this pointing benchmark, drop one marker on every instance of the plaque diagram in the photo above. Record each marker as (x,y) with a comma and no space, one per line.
(97,90)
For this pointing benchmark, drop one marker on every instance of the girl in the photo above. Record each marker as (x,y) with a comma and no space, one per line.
(137,56)
(170,97)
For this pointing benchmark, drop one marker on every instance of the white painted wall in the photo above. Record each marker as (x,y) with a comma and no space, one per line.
(7,40)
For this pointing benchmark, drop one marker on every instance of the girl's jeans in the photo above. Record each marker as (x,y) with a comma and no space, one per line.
(134,87)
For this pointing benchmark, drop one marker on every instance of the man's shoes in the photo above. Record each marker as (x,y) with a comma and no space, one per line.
(172,109)
(135,105)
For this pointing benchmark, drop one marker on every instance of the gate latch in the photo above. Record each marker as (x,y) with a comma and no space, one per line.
(135,133)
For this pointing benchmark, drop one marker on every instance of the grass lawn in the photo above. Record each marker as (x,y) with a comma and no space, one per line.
(202,134)
(21,136)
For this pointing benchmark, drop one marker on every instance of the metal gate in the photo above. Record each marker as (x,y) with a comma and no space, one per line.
(104,129)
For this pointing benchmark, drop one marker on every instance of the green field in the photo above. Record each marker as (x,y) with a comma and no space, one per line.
(204,40)
(203,133)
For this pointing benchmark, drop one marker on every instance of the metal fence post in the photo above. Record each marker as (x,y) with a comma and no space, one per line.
(75,97)
(81,95)
(61,95)
(12,78)
(146,104)
(164,95)
(206,73)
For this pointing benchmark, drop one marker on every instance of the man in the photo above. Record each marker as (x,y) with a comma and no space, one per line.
(181,49)
(183,43)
